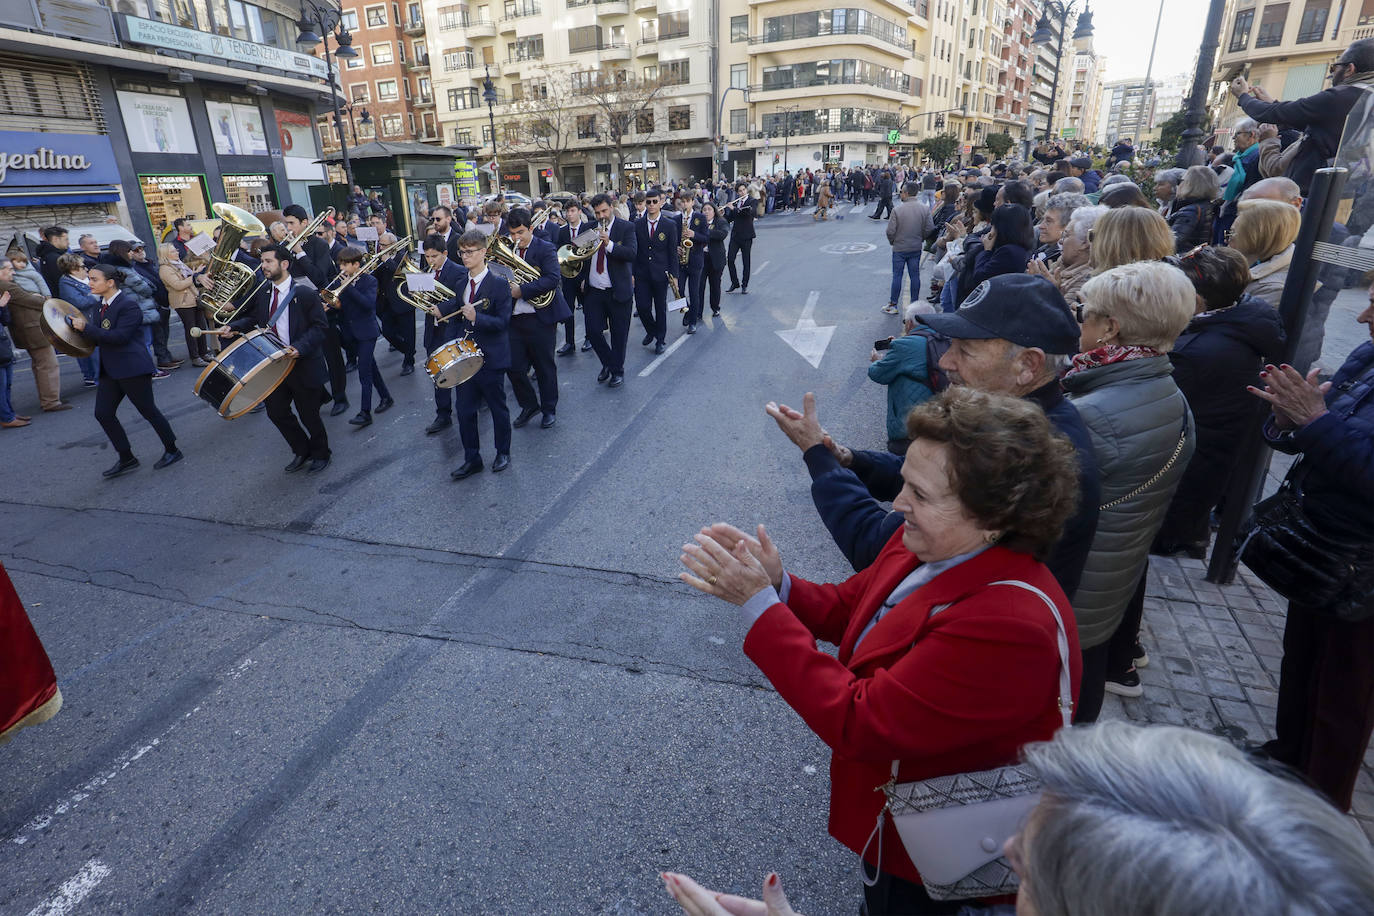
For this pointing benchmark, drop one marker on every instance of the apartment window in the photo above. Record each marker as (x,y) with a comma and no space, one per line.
(739,119)
(648,30)
(651,74)
(426,89)
(451,17)
(356,63)
(514,9)
(462,136)
(672,25)
(386,90)
(1313,23)
(536,89)
(680,117)
(350,20)
(644,122)
(460,99)
(1240,32)
(381,53)
(458,59)
(586,127)
(586,38)
(739,28)
(530,48)
(834,22)
(486,134)
(512,134)
(420,51)
(675,72)
(359,92)
(376,16)
(739,76)
(584,81)
(391,125)
(1271,25)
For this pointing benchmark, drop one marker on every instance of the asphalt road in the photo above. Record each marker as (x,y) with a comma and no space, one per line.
(376,689)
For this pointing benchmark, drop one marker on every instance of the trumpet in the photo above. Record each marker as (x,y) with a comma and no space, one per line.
(570,257)
(330,296)
(501,251)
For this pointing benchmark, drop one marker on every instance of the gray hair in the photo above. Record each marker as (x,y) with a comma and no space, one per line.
(1170,820)
(1066,204)
(1114,178)
(1199,183)
(1068,186)
(84,236)
(1276,188)
(1056,364)
(1244,125)
(1082,221)
(918,308)
(1169,176)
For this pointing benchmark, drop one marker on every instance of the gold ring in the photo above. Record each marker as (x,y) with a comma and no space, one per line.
(712,580)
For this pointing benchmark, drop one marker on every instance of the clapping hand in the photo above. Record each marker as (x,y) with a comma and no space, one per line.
(805,430)
(734,574)
(696,900)
(1239,86)
(1296,401)
(1259,93)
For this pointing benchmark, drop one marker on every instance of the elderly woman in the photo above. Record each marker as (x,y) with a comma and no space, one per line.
(1325,709)
(1129,234)
(1049,231)
(181,295)
(73,287)
(1264,231)
(1220,353)
(1074,266)
(942,666)
(1122,384)
(1166,189)
(1194,208)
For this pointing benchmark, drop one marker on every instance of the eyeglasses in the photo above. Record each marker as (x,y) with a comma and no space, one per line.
(468,251)
(1078,312)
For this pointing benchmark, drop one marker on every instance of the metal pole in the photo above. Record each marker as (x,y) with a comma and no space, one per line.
(1058,57)
(1149,68)
(1319,212)
(1190,151)
(338,118)
(491,120)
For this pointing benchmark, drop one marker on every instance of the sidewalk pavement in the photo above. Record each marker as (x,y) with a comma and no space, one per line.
(1214,661)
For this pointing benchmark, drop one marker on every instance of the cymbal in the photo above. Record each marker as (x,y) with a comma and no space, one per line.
(63,336)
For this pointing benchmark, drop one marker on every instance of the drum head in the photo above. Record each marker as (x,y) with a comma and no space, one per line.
(244,374)
(467,367)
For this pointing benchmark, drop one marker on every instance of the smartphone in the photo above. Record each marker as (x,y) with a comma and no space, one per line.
(884,344)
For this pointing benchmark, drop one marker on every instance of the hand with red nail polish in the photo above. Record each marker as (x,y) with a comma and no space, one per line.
(698,901)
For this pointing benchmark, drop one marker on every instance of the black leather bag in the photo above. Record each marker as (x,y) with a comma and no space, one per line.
(1281,545)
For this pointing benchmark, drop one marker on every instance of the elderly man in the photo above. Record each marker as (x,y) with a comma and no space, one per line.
(907,229)
(1013,335)
(90,249)
(1069,185)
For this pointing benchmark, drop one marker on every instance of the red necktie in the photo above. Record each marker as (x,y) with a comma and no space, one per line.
(522,252)
(472,295)
(601,258)
(275,293)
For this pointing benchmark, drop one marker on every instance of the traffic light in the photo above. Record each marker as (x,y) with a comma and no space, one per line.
(776,157)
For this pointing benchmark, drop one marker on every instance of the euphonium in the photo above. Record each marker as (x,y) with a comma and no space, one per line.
(570,257)
(424,301)
(229,277)
(330,296)
(500,250)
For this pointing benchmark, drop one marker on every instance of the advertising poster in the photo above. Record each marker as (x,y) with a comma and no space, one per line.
(445,194)
(237,129)
(465,174)
(157,123)
(419,202)
(297,134)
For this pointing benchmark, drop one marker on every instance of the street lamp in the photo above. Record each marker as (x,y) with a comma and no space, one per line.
(328,18)
(363,115)
(1044,34)
(722,146)
(489,96)
(787,131)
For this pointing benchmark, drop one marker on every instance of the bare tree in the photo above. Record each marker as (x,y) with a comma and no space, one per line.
(618,99)
(548,116)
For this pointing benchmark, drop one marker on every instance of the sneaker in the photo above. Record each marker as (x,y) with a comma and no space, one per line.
(89,382)
(161,374)
(889,309)
(1138,655)
(1125,685)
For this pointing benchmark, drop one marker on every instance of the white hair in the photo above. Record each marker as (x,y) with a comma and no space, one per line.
(1066,204)
(1169,176)
(1068,185)
(1137,821)
(918,308)
(1082,220)
(1114,178)
(1244,125)
(1151,301)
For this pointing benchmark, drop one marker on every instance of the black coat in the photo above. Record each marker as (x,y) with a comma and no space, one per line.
(314,262)
(657,252)
(306,326)
(1321,117)
(358,304)
(543,256)
(741,220)
(47,255)
(620,260)
(1191,222)
(719,230)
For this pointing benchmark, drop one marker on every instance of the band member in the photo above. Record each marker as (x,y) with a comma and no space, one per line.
(126,368)
(397,318)
(294,312)
(494,213)
(740,216)
(533,332)
(313,266)
(442,225)
(656,237)
(715,261)
(452,275)
(577,223)
(489,326)
(694,228)
(608,292)
(358,304)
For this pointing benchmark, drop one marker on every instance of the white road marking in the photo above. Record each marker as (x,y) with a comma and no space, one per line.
(672,347)
(73,890)
(758,270)
(808,340)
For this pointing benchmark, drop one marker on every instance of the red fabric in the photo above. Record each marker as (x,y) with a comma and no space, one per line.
(26,676)
(601,258)
(1111,353)
(958,692)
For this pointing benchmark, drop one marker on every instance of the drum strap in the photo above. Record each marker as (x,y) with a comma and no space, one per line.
(276,312)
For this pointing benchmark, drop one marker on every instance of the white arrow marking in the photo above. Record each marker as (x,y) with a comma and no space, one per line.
(807,339)
(73,890)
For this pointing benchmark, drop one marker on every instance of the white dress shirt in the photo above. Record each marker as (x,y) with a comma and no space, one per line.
(522,305)
(283,325)
(602,279)
(467,296)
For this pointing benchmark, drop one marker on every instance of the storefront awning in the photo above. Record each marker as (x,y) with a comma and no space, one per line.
(75,194)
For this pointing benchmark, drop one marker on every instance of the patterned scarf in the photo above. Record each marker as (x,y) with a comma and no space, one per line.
(1106,355)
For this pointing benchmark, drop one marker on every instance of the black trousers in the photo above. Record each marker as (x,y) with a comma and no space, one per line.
(694,277)
(368,373)
(111,392)
(487,385)
(305,436)
(399,330)
(893,896)
(739,246)
(333,357)
(572,297)
(713,275)
(532,344)
(600,310)
(651,302)
(885,203)
(1093,684)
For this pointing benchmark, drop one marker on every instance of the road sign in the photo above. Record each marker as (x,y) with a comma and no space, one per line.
(893,136)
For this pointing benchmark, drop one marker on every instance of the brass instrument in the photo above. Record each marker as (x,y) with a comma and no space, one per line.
(501,251)
(672,283)
(229,278)
(294,242)
(539,220)
(425,301)
(570,257)
(684,251)
(330,297)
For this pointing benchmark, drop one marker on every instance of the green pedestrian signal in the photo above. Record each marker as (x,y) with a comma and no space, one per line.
(893,136)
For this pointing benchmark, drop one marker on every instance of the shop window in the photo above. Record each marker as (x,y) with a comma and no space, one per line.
(386,91)
(680,117)
(170,197)
(381,53)
(376,16)
(250,192)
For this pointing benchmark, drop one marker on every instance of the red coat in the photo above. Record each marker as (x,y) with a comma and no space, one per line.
(957,692)
(28,689)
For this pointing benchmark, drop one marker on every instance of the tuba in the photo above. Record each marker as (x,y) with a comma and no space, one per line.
(229,277)
(570,257)
(500,250)
(330,296)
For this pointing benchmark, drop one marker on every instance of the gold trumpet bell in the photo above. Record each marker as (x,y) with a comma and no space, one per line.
(228,277)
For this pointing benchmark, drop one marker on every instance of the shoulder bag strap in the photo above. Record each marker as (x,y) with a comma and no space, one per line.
(1178,450)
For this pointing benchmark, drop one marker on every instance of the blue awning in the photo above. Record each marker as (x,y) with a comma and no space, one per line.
(47,197)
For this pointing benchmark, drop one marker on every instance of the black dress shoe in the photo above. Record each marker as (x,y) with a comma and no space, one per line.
(122,466)
(317,465)
(549,420)
(686,319)
(616,381)
(715,313)
(692,328)
(296,464)
(338,408)
(385,405)
(168,458)
(566,350)
(605,374)
(408,369)
(733,287)
(526,415)
(500,464)
(744,291)
(648,339)
(586,345)
(362,419)
(351,366)
(440,423)
(659,348)
(466,469)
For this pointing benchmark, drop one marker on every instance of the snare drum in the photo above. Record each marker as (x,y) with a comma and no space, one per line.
(454,363)
(244,373)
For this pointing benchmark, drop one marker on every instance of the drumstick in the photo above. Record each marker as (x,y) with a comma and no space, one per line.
(201,332)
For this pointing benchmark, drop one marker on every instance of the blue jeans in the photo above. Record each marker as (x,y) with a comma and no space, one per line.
(910,261)
(6,379)
(90,365)
(949,295)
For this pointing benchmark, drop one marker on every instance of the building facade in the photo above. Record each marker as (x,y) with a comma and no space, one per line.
(1085,97)
(1128,109)
(153,111)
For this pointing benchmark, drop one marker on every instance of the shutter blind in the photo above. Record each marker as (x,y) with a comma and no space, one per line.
(48,95)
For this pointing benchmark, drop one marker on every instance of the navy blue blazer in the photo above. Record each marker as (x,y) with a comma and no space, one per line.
(543,256)
(315,262)
(620,260)
(358,305)
(657,254)
(493,321)
(701,230)
(306,324)
(453,275)
(122,351)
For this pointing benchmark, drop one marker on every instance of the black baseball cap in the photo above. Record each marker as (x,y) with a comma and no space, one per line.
(1028,311)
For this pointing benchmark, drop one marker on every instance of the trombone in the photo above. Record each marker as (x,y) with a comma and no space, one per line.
(294,242)
(330,295)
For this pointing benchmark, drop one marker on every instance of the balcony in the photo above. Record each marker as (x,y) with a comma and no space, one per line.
(515,12)
(647,47)
(867,35)
(456,62)
(614,51)
(414,26)
(831,86)
(418,65)
(645,6)
(422,101)
(612,7)
(480,28)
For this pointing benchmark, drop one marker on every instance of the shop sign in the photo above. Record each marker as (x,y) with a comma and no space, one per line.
(251,182)
(515,176)
(465,175)
(629,166)
(38,159)
(152,33)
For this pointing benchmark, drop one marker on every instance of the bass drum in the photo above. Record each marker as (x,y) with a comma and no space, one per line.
(244,373)
(454,363)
